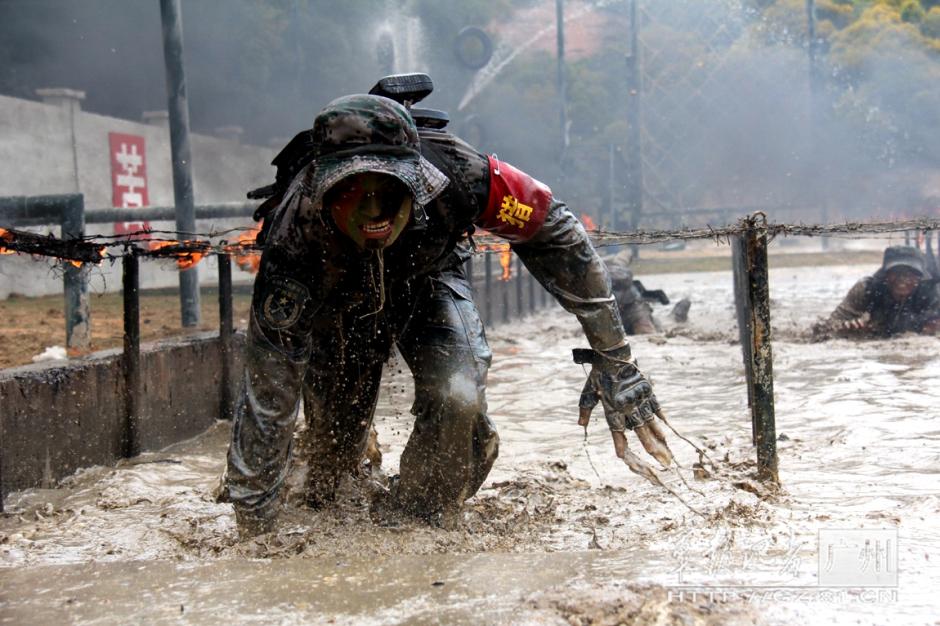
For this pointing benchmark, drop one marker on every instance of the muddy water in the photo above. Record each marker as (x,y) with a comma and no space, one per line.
(562,530)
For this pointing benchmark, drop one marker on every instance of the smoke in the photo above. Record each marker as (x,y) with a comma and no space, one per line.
(731,116)
(268,67)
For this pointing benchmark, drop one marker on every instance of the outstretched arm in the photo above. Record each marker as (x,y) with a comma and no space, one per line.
(561,257)
(555,248)
(850,318)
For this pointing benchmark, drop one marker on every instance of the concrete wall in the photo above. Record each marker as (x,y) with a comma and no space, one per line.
(58,148)
(57,419)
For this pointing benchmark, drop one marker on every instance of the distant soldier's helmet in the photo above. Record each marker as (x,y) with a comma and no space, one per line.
(907,257)
(365,133)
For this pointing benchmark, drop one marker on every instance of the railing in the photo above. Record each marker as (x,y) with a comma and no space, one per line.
(500,300)
(68,211)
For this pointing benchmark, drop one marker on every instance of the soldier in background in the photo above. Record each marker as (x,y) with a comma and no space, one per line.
(901,297)
(634,299)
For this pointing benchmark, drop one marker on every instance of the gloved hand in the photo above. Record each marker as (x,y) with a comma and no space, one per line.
(860,323)
(616,382)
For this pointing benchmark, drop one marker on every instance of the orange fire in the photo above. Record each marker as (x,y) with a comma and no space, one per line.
(185,259)
(505,252)
(505,257)
(247,259)
(588,222)
(5,235)
(505,260)
(102,250)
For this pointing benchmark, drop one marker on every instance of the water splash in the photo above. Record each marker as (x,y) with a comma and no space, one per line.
(400,43)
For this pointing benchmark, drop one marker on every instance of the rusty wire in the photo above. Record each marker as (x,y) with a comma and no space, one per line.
(95,248)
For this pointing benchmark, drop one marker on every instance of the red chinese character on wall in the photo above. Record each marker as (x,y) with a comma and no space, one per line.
(128,179)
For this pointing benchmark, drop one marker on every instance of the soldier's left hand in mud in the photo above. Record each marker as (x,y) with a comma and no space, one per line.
(627,398)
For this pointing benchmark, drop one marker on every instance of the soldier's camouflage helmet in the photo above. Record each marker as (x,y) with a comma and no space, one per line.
(365,133)
(907,257)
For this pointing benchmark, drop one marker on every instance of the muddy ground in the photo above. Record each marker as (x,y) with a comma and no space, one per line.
(30,325)
(562,532)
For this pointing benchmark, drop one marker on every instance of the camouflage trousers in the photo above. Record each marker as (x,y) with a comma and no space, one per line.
(453,443)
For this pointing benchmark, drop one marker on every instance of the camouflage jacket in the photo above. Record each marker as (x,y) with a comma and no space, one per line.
(886,317)
(559,254)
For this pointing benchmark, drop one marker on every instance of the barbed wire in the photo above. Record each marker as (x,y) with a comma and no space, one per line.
(723,234)
(176,244)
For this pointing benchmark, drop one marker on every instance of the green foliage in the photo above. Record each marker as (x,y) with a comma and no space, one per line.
(838,12)
(912,12)
(930,27)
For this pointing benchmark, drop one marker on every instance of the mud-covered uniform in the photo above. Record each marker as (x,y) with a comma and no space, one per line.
(326,313)
(635,312)
(885,316)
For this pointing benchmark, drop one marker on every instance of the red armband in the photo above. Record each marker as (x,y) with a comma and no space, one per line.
(517,203)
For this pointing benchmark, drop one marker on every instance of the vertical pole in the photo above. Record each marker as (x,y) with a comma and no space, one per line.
(132,379)
(613,219)
(532,305)
(520,304)
(561,79)
(226,335)
(488,287)
(762,410)
(634,119)
(742,308)
(504,292)
(181,153)
(931,257)
(812,50)
(77,315)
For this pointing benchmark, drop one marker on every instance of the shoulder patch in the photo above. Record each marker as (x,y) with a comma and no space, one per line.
(517,205)
(283,302)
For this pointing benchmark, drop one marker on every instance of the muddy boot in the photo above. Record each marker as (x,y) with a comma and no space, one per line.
(384,507)
(253,522)
(449,518)
(680,312)
(321,488)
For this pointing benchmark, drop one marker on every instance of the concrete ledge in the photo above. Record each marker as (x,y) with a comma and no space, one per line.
(57,419)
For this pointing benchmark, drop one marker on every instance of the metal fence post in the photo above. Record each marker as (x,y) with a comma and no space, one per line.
(488,288)
(226,335)
(132,378)
(532,305)
(520,306)
(742,310)
(634,154)
(760,375)
(178,108)
(504,292)
(77,315)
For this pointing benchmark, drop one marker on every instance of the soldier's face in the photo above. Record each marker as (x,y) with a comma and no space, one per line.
(371,209)
(902,282)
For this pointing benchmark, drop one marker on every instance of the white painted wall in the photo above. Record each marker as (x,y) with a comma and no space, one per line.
(58,148)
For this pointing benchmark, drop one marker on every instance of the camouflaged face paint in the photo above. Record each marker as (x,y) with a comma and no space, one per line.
(371,209)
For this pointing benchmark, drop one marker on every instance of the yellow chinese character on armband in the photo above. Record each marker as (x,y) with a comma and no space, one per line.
(514,212)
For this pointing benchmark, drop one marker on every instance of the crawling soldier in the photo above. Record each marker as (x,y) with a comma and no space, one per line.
(364,249)
(901,297)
